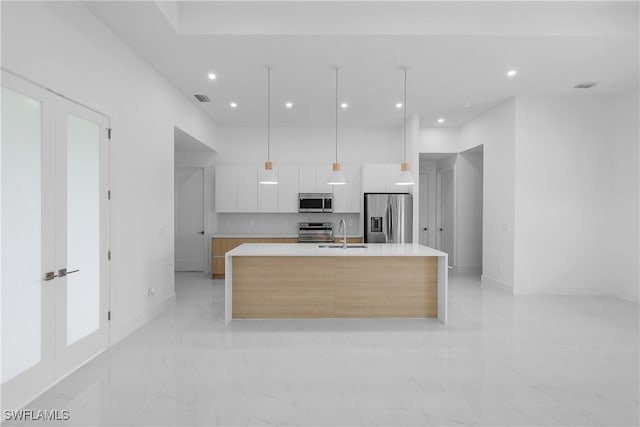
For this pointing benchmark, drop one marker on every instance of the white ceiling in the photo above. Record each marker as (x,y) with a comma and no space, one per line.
(458,52)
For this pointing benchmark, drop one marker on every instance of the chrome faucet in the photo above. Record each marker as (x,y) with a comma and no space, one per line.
(343,227)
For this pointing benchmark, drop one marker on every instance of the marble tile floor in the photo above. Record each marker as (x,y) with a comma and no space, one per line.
(502,361)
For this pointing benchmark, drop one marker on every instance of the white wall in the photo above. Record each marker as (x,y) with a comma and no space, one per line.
(564,170)
(247,145)
(438,140)
(625,190)
(495,131)
(64,47)
(468,178)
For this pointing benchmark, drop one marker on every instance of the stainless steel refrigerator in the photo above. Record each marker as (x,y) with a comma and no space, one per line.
(388,217)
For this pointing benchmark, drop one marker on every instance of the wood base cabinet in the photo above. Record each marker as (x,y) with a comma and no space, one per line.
(221,245)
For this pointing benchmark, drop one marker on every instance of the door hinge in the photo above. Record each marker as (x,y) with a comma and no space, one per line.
(109,255)
(109,195)
(109,315)
(108,133)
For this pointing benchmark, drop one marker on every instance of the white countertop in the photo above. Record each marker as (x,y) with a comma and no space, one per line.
(313,249)
(266,236)
(254,236)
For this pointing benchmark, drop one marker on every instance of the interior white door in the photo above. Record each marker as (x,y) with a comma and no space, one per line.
(189,243)
(28,241)
(424,210)
(82,234)
(446,214)
(55,220)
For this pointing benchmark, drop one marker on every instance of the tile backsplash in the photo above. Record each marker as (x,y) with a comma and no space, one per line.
(278,223)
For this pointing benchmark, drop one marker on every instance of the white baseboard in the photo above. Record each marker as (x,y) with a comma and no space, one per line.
(471,269)
(495,284)
(567,291)
(118,333)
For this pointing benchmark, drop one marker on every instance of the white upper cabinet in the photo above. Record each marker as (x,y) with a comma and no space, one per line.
(347,197)
(380,179)
(237,188)
(313,179)
(322,176)
(393,171)
(374,178)
(225,187)
(307,179)
(287,189)
(247,190)
(268,195)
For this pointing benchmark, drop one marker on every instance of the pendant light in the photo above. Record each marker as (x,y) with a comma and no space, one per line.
(267,175)
(336,177)
(405,177)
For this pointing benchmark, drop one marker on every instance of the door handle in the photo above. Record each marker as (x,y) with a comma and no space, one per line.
(441,228)
(49,275)
(63,272)
(426,228)
(201,232)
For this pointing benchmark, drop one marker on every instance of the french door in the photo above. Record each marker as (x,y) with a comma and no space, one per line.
(55,230)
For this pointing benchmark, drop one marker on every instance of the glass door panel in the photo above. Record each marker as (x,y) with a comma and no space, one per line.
(21,232)
(83,228)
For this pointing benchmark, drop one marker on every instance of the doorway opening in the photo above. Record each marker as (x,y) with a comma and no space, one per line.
(450,208)
(192,158)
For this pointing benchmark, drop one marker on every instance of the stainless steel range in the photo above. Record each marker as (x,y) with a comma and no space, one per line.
(315,232)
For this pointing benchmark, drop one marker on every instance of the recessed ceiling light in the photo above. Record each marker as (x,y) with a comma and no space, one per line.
(512,73)
(233,104)
(441,120)
(344,105)
(211,76)
(399,105)
(288,104)
(465,105)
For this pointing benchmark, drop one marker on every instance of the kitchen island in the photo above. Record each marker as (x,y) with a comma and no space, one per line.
(311,281)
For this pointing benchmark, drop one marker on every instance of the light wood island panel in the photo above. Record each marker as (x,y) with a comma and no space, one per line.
(311,287)
(221,245)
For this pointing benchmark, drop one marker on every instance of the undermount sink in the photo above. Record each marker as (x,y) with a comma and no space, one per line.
(341,247)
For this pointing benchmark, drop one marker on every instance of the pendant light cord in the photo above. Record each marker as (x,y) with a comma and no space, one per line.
(337,68)
(404,134)
(268,113)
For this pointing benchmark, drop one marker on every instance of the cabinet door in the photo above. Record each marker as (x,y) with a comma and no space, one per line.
(288,189)
(226,185)
(322,176)
(268,195)
(355,190)
(346,197)
(392,172)
(374,178)
(247,181)
(307,179)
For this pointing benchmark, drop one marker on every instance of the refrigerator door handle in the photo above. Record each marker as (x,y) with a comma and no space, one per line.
(389,223)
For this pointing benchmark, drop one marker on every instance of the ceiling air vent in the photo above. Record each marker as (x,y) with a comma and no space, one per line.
(585,85)
(202,98)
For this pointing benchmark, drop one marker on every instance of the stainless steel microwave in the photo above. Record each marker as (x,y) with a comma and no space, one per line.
(315,202)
